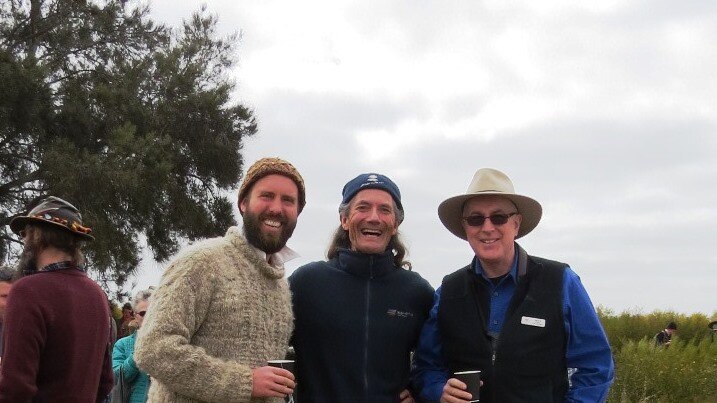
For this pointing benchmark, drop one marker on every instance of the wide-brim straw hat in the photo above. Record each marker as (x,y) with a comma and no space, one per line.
(489,182)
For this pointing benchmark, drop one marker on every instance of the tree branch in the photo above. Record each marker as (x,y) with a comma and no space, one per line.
(32,176)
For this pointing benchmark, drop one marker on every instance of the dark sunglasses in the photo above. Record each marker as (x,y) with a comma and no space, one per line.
(142,313)
(496,219)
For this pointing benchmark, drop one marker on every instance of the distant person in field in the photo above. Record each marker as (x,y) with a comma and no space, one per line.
(520,319)
(359,314)
(665,336)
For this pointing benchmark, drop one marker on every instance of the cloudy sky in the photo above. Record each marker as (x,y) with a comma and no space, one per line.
(604,111)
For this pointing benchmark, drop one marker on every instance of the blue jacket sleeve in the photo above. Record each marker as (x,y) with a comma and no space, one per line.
(588,350)
(123,357)
(429,373)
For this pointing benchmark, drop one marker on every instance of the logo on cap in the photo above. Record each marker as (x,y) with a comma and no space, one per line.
(371,180)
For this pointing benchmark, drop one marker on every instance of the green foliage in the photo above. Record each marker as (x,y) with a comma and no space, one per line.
(130,121)
(634,326)
(686,371)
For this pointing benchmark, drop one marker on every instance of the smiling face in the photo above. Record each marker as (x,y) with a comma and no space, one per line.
(493,244)
(370,221)
(270,211)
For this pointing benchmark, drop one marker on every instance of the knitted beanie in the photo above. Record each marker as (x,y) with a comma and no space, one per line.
(269,166)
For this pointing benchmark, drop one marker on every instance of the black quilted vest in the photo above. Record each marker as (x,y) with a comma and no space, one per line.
(526,363)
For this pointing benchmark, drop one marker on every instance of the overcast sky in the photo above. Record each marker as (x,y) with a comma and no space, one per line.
(603,111)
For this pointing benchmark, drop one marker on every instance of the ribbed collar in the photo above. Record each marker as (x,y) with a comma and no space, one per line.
(365,265)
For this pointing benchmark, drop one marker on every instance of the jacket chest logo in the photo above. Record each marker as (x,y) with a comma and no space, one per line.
(395,313)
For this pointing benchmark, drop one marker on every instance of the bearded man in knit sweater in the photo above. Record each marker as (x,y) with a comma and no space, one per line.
(57,321)
(223,308)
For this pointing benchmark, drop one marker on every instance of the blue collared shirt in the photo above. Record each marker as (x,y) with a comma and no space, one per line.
(588,350)
(500,295)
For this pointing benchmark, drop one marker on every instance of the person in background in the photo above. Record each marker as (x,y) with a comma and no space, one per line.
(520,319)
(664,338)
(359,314)
(56,329)
(113,323)
(123,353)
(223,308)
(6,277)
(123,330)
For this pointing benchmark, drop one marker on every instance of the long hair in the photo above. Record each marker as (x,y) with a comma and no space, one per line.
(47,235)
(341,239)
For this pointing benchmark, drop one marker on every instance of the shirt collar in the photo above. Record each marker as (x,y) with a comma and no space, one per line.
(513,273)
(277,259)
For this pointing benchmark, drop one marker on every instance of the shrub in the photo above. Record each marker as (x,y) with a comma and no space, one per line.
(686,371)
(635,326)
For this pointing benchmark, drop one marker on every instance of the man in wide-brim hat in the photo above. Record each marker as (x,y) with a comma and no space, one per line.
(520,319)
(57,320)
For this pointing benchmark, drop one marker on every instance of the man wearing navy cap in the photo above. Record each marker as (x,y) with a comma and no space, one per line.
(57,321)
(358,315)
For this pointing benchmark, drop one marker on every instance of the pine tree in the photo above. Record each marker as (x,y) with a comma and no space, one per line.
(129,120)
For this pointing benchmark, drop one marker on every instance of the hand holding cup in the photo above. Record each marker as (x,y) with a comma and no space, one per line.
(285,365)
(271,381)
(463,387)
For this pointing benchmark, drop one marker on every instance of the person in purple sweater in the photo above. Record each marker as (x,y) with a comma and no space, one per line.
(56,330)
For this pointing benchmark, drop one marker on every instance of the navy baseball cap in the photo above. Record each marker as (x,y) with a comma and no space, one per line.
(371,181)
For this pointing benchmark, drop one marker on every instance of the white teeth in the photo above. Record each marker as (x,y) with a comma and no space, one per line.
(272,223)
(371,232)
(488,241)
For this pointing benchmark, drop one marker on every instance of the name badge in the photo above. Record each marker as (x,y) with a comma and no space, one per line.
(537,322)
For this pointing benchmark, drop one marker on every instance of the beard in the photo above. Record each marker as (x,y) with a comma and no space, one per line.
(28,259)
(267,242)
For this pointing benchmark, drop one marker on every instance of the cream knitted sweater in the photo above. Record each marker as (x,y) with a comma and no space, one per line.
(219,311)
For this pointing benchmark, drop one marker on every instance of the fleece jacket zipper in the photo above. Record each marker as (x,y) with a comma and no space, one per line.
(366,321)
